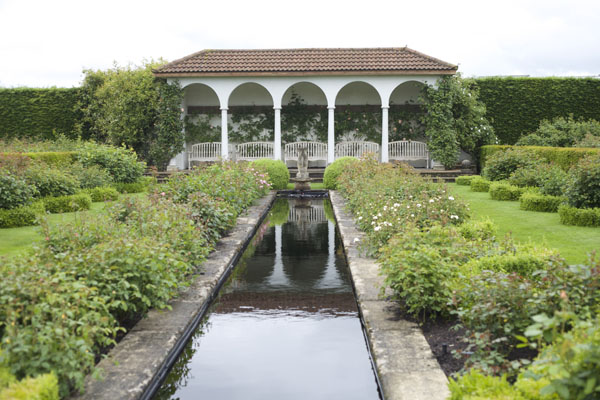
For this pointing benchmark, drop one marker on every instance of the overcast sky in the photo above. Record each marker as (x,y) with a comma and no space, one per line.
(48,43)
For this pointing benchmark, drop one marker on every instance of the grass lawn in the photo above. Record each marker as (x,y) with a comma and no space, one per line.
(313,186)
(15,241)
(573,242)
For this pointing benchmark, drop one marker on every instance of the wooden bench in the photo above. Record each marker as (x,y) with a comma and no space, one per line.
(408,150)
(355,149)
(254,150)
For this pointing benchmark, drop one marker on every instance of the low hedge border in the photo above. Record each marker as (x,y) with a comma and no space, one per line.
(564,157)
(540,202)
(63,204)
(21,216)
(465,180)
(103,193)
(579,216)
(140,186)
(49,157)
(505,191)
(480,185)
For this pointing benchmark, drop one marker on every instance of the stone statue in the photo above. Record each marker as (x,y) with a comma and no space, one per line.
(302,163)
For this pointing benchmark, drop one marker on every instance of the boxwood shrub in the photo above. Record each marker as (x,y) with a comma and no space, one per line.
(15,192)
(21,216)
(139,186)
(464,180)
(63,204)
(505,191)
(51,181)
(105,193)
(278,174)
(579,216)
(333,171)
(120,162)
(480,185)
(583,189)
(501,165)
(540,202)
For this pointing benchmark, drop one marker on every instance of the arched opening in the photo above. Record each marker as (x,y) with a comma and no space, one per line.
(251,115)
(304,113)
(201,121)
(358,113)
(406,109)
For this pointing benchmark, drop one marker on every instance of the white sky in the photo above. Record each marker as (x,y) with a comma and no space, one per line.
(48,43)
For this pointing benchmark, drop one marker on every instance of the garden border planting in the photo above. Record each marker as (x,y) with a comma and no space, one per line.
(405,364)
(136,366)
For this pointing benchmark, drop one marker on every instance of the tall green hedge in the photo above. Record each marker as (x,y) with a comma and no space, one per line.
(38,113)
(515,106)
(564,157)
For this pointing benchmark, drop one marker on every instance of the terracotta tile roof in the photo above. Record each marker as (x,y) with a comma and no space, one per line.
(391,60)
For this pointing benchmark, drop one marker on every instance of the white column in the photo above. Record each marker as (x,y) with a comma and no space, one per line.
(224,134)
(330,136)
(384,133)
(277,144)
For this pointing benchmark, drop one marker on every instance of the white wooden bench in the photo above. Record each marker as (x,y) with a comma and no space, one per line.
(254,150)
(316,151)
(408,150)
(355,149)
(205,152)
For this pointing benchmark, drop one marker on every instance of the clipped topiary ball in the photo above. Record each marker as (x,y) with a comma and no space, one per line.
(277,171)
(333,171)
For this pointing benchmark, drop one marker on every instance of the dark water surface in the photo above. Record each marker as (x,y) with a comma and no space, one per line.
(285,325)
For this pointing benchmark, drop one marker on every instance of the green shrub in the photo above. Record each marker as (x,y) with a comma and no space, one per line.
(579,216)
(63,204)
(333,171)
(550,178)
(21,216)
(589,141)
(522,263)
(540,202)
(464,180)
(505,191)
(120,162)
(480,185)
(133,187)
(54,158)
(91,176)
(106,193)
(583,189)
(278,174)
(499,166)
(51,181)
(14,163)
(215,216)
(474,385)
(561,132)
(15,192)
(478,230)
(42,387)
(564,157)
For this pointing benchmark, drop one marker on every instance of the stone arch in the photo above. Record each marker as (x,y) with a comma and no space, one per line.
(408,92)
(250,94)
(310,121)
(354,92)
(405,109)
(362,100)
(250,103)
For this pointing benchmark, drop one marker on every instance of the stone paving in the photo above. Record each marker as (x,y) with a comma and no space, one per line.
(406,366)
(132,365)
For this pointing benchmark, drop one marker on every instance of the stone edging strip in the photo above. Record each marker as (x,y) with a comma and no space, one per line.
(405,363)
(135,362)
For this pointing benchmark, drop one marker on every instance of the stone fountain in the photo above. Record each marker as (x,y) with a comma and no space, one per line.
(302,181)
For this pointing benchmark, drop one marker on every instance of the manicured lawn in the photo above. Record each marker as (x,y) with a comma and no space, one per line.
(573,242)
(314,185)
(15,241)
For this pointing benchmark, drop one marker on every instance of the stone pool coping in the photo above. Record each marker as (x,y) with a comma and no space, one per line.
(135,362)
(406,366)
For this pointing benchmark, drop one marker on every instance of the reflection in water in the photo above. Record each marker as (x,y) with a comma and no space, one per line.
(286,324)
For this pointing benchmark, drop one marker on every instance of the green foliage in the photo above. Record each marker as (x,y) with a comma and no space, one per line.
(42,387)
(141,185)
(129,106)
(60,143)
(501,165)
(579,216)
(37,113)
(583,190)
(540,202)
(561,132)
(21,216)
(120,162)
(505,192)
(57,158)
(465,180)
(214,215)
(91,176)
(589,141)
(564,157)
(455,119)
(14,191)
(63,204)
(103,193)
(517,105)
(277,172)
(479,184)
(475,385)
(333,171)
(549,178)
(51,181)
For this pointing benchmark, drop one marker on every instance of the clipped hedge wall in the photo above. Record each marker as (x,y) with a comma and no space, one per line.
(38,113)
(63,204)
(540,202)
(505,191)
(579,216)
(480,185)
(465,180)
(515,106)
(21,216)
(48,157)
(564,157)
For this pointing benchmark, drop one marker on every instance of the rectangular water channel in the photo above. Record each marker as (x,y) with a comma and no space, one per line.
(286,324)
